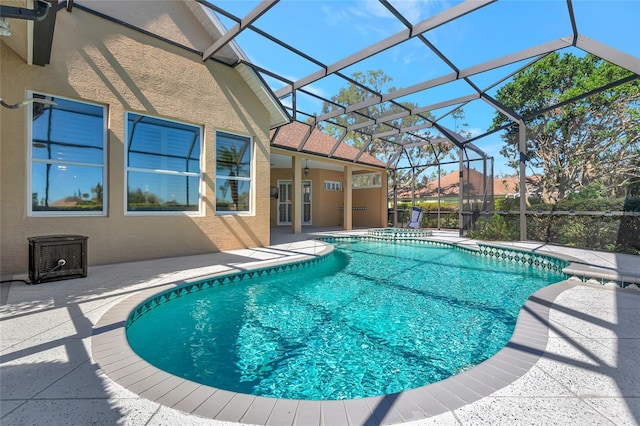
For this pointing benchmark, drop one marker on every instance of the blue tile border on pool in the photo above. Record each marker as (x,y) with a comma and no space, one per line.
(399,233)
(214,281)
(524,257)
(501,253)
(507,254)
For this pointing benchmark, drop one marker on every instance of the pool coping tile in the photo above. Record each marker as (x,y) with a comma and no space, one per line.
(214,404)
(359,412)
(260,411)
(333,413)
(283,413)
(308,413)
(194,399)
(178,393)
(236,408)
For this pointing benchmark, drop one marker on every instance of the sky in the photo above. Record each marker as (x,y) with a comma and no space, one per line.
(332,30)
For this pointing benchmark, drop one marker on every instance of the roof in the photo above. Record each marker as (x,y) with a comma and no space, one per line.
(450,185)
(290,137)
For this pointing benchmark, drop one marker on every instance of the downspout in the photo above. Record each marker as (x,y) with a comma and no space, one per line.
(522,147)
(460,193)
(395,199)
(439,192)
(413,186)
(484,182)
(492,200)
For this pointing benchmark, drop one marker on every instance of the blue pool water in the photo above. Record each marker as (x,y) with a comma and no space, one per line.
(374,318)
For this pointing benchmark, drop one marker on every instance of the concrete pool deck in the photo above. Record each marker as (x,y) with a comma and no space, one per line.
(573,358)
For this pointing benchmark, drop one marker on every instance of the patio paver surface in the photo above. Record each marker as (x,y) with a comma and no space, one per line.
(585,372)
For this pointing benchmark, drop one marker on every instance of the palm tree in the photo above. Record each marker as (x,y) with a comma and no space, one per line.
(230,158)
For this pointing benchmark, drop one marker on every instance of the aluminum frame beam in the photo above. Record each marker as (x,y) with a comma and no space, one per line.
(608,53)
(404,35)
(39,12)
(416,31)
(254,15)
(535,51)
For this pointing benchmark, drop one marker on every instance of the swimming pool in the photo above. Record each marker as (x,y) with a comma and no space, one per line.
(374,318)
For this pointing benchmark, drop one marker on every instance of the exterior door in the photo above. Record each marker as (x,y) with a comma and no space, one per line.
(306,202)
(285,204)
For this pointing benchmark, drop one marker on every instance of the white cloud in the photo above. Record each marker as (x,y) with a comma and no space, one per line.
(415,10)
(334,17)
(316,91)
(474,131)
(369,8)
(365,16)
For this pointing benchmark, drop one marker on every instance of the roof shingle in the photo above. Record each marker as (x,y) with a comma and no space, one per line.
(291,135)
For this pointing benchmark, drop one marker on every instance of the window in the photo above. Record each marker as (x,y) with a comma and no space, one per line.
(67,157)
(163,165)
(367,180)
(332,185)
(233,173)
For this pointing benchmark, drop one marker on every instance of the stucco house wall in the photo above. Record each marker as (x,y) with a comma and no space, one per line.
(368,209)
(99,61)
(330,202)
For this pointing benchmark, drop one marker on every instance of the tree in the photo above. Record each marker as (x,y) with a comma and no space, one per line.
(591,140)
(379,82)
(460,125)
(140,197)
(230,159)
(97,190)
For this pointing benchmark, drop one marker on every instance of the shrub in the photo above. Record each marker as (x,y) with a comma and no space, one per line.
(494,229)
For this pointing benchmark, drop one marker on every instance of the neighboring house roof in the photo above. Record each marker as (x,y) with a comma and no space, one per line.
(290,137)
(450,185)
(67,201)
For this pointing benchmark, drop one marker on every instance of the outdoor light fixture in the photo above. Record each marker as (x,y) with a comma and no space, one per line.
(26,102)
(306,168)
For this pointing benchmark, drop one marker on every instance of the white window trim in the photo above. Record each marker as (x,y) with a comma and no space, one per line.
(252,180)
(373,174)
(31,160)
(331,183)
(198,213)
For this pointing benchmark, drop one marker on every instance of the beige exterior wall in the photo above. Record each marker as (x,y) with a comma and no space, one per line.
(98,61)
(330,203)
(366,208)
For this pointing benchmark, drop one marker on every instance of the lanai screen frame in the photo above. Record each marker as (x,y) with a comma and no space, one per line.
(534,54)
(292,89)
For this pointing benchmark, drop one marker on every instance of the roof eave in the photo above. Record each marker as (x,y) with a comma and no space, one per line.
(277,114)
(286,150)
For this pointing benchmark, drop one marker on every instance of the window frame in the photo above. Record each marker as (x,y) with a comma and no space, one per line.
(31,160)
(127,169)
(251,179)
(373,177)
(332,185)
